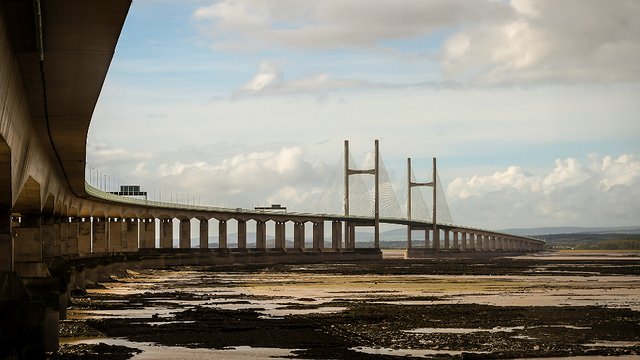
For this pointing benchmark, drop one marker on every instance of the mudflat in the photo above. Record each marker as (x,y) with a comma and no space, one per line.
(560,304)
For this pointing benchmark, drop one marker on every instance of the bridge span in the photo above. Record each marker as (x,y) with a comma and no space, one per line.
(57,232)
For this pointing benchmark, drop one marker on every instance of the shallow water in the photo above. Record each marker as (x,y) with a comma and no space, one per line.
(275,294)
(151,351)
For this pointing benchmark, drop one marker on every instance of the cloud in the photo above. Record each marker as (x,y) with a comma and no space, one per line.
(596,191)
(242,180)
(548,41)
(488,43)
(269,81)
(332,24)
(602,191)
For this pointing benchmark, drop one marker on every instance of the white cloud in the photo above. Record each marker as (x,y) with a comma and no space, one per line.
(269,81)
(606,191)
(488,42)
(332,24)
(548,41)
(242,180)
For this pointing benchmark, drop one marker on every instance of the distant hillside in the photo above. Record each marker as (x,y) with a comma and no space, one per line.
(555,237)
(572,230)
(603,241)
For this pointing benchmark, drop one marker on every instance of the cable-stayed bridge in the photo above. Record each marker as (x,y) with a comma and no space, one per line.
(362,204)
(57,232)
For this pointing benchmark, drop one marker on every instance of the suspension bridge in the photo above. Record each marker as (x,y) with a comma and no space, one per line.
(57,232)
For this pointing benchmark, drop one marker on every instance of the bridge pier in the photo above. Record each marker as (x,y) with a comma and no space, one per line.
(446,239)
(148,233)
(463,239)
(222,234)
(350,235)
(28,246)
(427,234)
(471,241)
(280,242)
(261,235)
(6,243)
(242,234)
(99,230)
(185,234)
(84,237)
(130,229)
(43,291)
(72,236)
(166,233)
(336,235)
(204,233)
(478,242)
(298,235)
(47,230)
(61,229)
(115,235)
(318,235)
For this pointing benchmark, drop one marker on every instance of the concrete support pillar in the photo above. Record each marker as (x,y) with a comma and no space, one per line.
(456,242)
(261,235)
(72,236)
(55,238)
(185,234)
(99,228)
(28,239)
(222,234)
(336,235)
(148,234)
(352,236)
(447,244)
(298,235)
(486,242)
(115,235)
(242,234)
(166,233)
(280,242)
(6,242)
(436,240)
(61,234)
(47,236)
(130,229)
(84,236)
(478,242)
(463,241)
(427,244)
(318,235)
(204,234)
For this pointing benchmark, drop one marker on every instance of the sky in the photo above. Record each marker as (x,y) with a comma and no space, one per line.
(531,107)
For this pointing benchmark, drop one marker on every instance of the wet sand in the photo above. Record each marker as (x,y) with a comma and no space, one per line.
(543,305)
